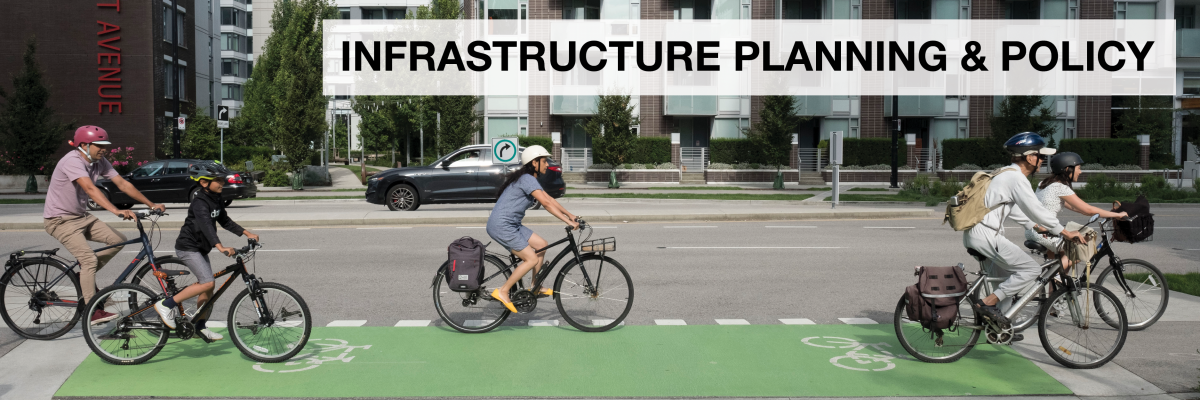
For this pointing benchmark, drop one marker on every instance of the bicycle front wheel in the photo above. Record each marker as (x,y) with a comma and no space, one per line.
(941,346)
(1146,300)
(135,335)
(594,296)
(1087,328)
(475,311)
(270,326)
(145,277)
(41,298)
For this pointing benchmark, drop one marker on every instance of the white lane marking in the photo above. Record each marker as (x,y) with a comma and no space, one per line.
(790,226)
(1178,227)
(543,322)
(471,227)
(214,324)
(413,322)
(759,247)
(604,227)
(282,229)
(797,321)
(345,322)
(603,322)
(857,321)
(669,322)
(889,227)
(475,323)
(686,227)
(386,227)
(173,252)
(732,322)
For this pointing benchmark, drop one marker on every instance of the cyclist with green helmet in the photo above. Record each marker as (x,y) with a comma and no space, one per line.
(197,237)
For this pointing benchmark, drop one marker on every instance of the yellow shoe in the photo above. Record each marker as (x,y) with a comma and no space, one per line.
(507,304)
(545,292)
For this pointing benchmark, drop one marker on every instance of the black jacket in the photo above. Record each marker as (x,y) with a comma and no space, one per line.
(199,232)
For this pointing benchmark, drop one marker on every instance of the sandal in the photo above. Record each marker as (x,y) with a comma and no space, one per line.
(545,292)
(507,304)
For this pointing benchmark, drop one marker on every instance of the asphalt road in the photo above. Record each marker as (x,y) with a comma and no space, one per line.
(694,271)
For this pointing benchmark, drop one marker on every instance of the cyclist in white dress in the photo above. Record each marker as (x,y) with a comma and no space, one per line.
(1055,193)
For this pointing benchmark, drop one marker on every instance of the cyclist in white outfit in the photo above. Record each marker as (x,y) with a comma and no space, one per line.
(1055,193)
(1010,196)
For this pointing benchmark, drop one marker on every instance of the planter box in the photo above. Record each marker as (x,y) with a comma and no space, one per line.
(635,175)
(866,175)
(17,182)
(748,175)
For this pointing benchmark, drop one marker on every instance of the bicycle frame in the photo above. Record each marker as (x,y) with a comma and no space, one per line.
(237,269)
(1050,269)
(571,248)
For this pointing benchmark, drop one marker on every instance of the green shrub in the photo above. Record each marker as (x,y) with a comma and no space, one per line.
(650,150)
(527,141)
(732,151)
(1103,151)
(276,178)
(239,154)
(873,151)
(974,151)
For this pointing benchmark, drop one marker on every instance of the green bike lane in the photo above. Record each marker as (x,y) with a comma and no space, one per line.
(630,361)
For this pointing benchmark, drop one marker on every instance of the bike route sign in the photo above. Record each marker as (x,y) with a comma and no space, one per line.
(504,151)
(684,361)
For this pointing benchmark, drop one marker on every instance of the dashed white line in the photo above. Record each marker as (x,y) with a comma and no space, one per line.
(669,322)
(413,322)
(282,229)
(386,227)
(471,227)
(889,227)
(797,321)
(732,322)
(346,322)
(686,227)
(857,321)
(790,226)
(543,322)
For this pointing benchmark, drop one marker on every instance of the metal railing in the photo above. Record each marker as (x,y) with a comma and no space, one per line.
(576,159)
(812,159)
(925,160)
(694,158)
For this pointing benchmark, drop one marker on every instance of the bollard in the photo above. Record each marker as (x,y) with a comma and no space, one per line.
(778,180)
(612,180)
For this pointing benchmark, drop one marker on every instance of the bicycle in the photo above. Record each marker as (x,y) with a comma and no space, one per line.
(585,299)
(1081,325)
(42,298)
(268,322)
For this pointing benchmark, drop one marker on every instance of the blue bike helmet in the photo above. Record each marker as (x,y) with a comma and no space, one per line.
(1026,143)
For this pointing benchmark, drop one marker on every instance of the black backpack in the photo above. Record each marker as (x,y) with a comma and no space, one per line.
(464,265)
(1142,226)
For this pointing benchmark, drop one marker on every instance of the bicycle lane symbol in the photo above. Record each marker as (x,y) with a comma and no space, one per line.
(857,358)
(317,358)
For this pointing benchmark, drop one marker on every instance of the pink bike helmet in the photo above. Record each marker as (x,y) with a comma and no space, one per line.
(90,134)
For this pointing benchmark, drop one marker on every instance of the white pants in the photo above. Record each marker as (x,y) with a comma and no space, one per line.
(1004,258)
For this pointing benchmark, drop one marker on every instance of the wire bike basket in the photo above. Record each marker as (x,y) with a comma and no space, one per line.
(599,245)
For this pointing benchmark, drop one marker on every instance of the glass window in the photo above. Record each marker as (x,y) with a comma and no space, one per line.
(801,9)
(1191,84)
(344,13)
(231,92)
(1054,9)
(181,72)
(231,42)
(1023,10)
(1185,17)
(368,13)
(918,9)
(727,128)
(169,80)
(249,19)
(1127,10)
(182,38)
(227,16)
(150,169)
(229,67)
(948,9)
(177,168)
(469,158)
(501,127)
(586,9)
(396,13)
(726,9)
(167,17)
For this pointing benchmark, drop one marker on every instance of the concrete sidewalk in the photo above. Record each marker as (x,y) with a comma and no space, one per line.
(358,212)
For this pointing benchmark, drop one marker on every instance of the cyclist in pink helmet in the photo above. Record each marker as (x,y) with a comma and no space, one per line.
(65,214)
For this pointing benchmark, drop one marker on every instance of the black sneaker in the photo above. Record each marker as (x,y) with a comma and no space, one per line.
(991,313)
(1017,337)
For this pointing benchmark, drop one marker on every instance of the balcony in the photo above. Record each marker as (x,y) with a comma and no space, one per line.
(573,105)
(917,106)
(1187,43)
(691,105)
(826,106)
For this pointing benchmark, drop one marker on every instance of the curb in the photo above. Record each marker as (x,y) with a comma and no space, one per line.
(536,219)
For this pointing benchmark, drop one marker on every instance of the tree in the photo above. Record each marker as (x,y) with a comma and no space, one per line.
(772,134)
(201,139)
(29,130)
(258,110)
(459,122)
(1147,115)
(609,129)
(1022,114)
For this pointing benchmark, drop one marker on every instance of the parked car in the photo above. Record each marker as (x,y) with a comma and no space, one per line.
(466,175)
(168,181)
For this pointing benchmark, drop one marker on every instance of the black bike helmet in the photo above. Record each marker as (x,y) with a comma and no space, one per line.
(1061,162)
(205,171)
(1026,143)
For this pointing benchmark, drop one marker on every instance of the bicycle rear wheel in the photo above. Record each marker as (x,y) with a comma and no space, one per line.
(1080,335)
(136,335)
(472,312)
(1148,293)
(926,346)
(41,298)
(599,306)
(271,326)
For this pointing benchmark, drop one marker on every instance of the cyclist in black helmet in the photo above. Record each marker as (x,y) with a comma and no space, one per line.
(197,237)
(1009,196)
(1055,193)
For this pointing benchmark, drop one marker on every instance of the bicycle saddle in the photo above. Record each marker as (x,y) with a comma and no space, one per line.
(1032,245)
(976,255)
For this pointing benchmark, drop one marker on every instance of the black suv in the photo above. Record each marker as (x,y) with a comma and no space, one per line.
(168,181)
(465,176)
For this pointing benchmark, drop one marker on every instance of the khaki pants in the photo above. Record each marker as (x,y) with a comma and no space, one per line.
(74,232)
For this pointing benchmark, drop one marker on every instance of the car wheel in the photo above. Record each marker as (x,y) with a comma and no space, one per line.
(91,205)
(402,197)
(536,206)
(228,202)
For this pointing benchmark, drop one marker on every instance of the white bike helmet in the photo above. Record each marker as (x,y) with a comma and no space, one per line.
(532,153)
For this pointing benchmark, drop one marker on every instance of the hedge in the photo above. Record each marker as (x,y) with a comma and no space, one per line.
(235,154)
(733,151)
(872,151)
(650,150)
(976,151)
(526,141)
(1103,151)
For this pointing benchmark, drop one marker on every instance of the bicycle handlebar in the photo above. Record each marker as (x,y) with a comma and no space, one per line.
(143,214)
(251,244)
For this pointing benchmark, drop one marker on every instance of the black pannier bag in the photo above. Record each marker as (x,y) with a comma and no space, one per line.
(464,265)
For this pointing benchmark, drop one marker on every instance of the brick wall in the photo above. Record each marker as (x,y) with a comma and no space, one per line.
(1093,116)
(878,9)
(654,123)
(987,9)
(545,9)
(658,9)
(727,176)
(540,118)
(1095,9)
(762,9)
(667,175)
(871,122)
(981,110)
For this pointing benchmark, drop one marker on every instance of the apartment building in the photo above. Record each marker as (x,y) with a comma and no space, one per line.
(237,50)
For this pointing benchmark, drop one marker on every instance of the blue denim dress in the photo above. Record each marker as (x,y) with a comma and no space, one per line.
(504,225)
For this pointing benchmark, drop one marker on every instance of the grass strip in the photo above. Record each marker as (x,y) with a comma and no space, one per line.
(863,189)
(695,188)
(22,201)
(350,190)
(887,197)
(693,196)
(304,198)
(1184,283)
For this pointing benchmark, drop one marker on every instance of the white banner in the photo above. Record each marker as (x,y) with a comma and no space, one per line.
(750,57)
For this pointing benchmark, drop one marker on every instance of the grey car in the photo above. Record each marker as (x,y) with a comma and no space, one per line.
(466,175)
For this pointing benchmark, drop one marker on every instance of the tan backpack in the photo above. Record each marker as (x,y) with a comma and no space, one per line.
(967,208)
